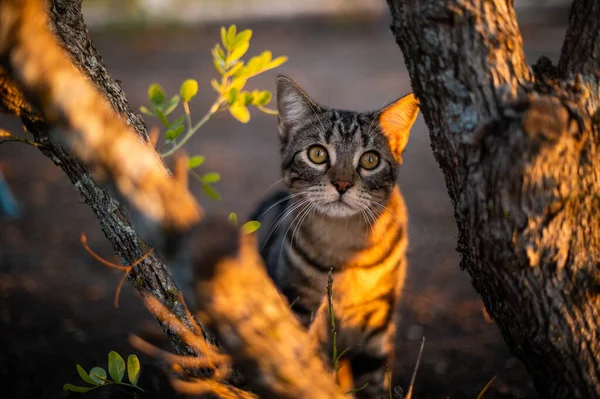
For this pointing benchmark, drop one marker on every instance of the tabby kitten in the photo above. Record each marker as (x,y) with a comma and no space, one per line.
(343,211)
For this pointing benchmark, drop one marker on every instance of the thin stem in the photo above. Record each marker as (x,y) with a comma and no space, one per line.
(12,137)
(194,129)
(111,382)
(334,355)
(188,116)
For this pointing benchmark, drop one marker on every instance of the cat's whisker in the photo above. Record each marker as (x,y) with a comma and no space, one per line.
(272,185)
(285,215)
(299,215)
(297,229)
(287,197)
(367,221)
(378,224)
(383,207)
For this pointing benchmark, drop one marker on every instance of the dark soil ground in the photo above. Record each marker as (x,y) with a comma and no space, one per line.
(56,302)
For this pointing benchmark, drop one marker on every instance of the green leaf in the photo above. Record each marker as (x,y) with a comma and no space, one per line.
(133,369)
(196,161)
(276,62)
(240,112)
(98,375)
(232,96)
(172,105)
(238,83)
(161,115)
(172,134)
(231,36)
(146,111)
(157,95)
(233,219)
(75,388)
(84,375)
(188,89)
(263,98)
(247,99)
(218,52)
(219,66)
(211,192)
(235,68)
(177,122)
(211,177)
(224,37)
(116,366)
(216,85)
(265,57)
(238,52)
(242,37)
(250,227)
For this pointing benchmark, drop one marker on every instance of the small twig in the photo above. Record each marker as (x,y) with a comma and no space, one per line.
(105,262)
(334,355)
(485,388)
(414,375)
(358,389)
(388,372)
(183,361)
(12,137)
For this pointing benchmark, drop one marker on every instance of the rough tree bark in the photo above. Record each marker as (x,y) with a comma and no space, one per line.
(519,149)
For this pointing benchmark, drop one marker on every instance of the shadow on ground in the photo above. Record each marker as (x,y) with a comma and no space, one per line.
(56,303)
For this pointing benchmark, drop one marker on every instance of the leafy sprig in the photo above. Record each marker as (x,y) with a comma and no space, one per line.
(231,96)
(97,376)
(248,227)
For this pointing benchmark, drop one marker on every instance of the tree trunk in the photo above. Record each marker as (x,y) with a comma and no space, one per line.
(520,155)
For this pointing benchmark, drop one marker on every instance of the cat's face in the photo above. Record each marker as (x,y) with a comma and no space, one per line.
(341,163)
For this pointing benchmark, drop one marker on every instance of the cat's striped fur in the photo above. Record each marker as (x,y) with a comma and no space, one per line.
(338,214)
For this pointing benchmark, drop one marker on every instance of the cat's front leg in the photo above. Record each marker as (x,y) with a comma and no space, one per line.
(366,351)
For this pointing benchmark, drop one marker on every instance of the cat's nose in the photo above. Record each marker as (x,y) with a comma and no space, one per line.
(342,186)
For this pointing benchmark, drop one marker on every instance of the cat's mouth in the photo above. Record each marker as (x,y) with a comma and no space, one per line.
(339,208)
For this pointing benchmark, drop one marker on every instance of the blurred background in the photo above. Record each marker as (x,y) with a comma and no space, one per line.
(56,303)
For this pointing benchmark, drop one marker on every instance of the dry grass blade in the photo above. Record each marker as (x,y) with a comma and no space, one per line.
(105,262)
(485,388)
(414,375)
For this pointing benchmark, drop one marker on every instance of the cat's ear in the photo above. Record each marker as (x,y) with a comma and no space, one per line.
(395,122)
(293,104)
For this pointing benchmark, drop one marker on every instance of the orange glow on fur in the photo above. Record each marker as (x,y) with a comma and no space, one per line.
(396,120)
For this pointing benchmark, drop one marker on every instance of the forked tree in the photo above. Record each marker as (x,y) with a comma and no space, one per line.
(518,147)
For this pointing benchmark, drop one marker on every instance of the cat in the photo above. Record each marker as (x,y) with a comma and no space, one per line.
(343,211)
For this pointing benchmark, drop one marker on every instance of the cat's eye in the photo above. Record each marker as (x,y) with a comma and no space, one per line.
(317,154)
(369,160)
